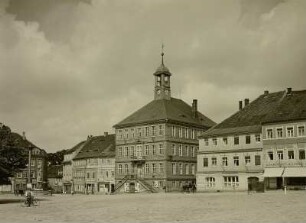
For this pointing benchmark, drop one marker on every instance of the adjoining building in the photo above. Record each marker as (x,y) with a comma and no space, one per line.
(156,146)
(284,142)
(233,154)
(38,172)
(55,178)
(93,167)
(67,167)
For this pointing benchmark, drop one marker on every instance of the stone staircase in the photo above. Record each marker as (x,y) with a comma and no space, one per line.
(142,182)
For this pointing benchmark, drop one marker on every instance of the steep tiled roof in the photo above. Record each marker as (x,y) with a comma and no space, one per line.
(170,110)
(278,106)
(78,146)
(98,146)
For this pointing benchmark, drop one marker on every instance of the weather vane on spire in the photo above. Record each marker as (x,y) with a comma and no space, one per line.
(162,54)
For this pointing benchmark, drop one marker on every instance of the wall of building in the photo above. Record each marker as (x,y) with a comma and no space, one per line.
(159,147)
(283,149)
(224,165)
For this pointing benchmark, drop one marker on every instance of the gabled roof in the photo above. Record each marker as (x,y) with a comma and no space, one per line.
(76,147)
(98,146)
(174,110)
(279,106)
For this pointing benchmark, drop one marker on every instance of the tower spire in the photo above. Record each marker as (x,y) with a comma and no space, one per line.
(162,53)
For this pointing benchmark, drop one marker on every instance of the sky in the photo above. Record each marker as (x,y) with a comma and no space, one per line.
(73,68)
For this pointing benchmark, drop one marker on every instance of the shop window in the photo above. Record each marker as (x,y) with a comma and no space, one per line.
(231,181)
(210,182)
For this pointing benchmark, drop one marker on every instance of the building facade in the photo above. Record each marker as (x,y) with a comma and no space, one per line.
(242,152)
(284,143)
(38,172)
(156,146)
(67,167)
(93,168)
(55,178)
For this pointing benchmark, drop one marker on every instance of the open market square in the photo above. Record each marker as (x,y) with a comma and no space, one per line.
(163,207)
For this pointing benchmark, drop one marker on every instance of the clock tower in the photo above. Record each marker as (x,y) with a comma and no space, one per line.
(162,82)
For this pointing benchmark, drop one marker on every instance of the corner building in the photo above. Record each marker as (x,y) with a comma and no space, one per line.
(156,146)
(263,144)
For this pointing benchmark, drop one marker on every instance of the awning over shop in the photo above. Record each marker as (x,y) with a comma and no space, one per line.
(295,172)
(273,172)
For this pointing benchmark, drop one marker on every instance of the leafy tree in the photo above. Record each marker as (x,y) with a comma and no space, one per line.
(55,158)
(11,160)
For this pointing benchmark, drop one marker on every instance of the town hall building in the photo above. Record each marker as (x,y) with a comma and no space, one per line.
(156,146)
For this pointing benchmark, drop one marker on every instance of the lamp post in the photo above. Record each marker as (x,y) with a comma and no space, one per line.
(29,180)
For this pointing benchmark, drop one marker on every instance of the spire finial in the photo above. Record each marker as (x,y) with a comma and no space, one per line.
(162,54)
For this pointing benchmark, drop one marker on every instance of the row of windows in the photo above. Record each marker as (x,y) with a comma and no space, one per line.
(140,132)
(154,149)
(183,150)
(228,181)
(291,155)
(148,168)
(224,140)
(138,151)
(183,168)
(184,132)
(235,161)
(25,174)
(79,174)
(281,132)
(157,130)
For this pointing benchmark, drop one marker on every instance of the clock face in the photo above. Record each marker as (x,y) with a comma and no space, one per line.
(158,91)
(166,92)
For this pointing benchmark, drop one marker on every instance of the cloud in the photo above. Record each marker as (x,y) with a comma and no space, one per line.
(74,68)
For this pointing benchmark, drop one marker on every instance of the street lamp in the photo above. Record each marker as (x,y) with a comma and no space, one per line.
(29,180)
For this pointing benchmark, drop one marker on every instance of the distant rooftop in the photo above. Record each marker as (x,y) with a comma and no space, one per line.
(98,146)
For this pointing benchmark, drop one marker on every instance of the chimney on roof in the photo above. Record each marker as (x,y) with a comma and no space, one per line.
(266,92)
(246,102)
(23,136)
(105,133)
(240,105)
(289,90)
(195,108)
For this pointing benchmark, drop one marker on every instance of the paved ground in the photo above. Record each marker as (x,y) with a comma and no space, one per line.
(172,207)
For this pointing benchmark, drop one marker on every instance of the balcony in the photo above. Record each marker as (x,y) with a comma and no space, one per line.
(138,159)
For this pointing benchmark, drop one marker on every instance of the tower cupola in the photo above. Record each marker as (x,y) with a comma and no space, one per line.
(162,81)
